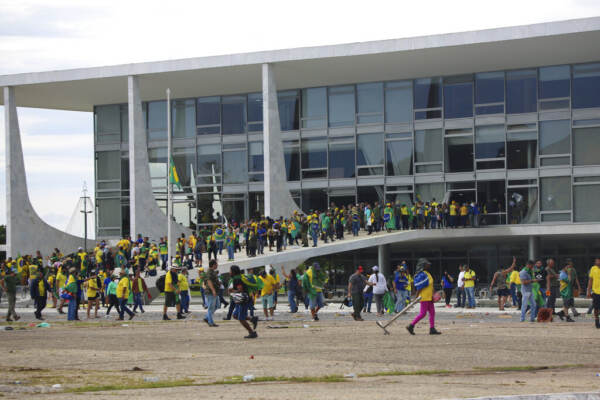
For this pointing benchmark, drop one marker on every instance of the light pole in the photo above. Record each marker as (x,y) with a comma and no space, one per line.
(85,212)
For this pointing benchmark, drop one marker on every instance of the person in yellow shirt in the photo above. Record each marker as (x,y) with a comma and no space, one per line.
(515,286)
(92,288)
(269,285)
(172,291)
(184,294)
(464,212)
(425,290)
(61,280)
(470,286)
(453,214)
(123,289)
(593,289)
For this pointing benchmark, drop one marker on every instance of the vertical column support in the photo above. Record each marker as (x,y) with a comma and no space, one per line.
(136,141)
(533,250)
(278,200)
(383,259)
(13,145)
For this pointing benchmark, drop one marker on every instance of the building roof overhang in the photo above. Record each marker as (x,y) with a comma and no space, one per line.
(553,43)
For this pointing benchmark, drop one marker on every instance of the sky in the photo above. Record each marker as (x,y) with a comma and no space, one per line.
(38,35)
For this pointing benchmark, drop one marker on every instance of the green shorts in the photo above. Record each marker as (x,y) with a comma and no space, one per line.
(267,301)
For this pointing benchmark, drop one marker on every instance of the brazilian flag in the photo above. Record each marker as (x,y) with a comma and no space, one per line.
(252,283)
(173,177)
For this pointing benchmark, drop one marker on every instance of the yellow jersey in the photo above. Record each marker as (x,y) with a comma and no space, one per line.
(595,276)
(123,288)
(469,274)
(268,285)
(427,292)
(183,282)
(92,288)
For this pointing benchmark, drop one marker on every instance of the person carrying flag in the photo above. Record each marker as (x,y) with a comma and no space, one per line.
(388,218)
(312,283)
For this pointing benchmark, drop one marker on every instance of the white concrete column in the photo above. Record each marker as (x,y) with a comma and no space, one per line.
(278,201)
(533,250)
(145,216)
(26,232)
(383,259)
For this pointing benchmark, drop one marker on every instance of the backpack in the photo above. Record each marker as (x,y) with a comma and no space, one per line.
(160,283)
(421,280)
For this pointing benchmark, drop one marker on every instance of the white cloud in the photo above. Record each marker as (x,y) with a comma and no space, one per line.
(39,35)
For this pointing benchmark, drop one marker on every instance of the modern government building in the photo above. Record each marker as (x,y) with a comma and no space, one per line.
(506,117)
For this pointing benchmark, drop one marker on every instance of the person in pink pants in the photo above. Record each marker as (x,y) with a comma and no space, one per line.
(427,304)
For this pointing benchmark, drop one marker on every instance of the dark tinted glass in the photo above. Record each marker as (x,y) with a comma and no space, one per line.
(458,98)
(489,88)
(234,114)
(341,160)
(399,156)
(427,93)
(555,82)
(586,86)
(289,109)
(521,92)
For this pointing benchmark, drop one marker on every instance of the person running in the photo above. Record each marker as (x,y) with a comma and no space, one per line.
(500,279)
(240,296)
(593,289)
(312,283)
(172,293)
(566,292)
(356,285)
(424,285)
(123,289)
(9,286)
(527,280)
(92,289)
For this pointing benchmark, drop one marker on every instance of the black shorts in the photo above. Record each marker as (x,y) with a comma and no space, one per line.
(596,301)
(568,302)
(92,298)
(503,292)
(170,299)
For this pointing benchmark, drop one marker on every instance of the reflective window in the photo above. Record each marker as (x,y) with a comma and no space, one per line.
(341,158)
(521,91)
(430,191)
(209,160)
(125,125)
(459,153)
(521,146)
(291,155)
(428,145)
(108,165)
(370,102)
(234,114)
(399,156)
(185,162)
(489,141)
(427,94)
(235,167)
(491,197)
(108,124)
(458,97)
(341,106)
(522,205)
(586,85)
(555,82)
(289,110)
(585,210)
(255,112)
(370,149)
(370,194)
(208,204)
(314,108)
(314,153)
(208,115)
(109,215)
(314,200)
(489,93)
(157,162)
(555,193)
(157,120)
(398,102)
(555,137)
(184,118)
(255,157)
(586,142)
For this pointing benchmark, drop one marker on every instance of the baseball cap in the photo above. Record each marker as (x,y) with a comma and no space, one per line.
(375,268)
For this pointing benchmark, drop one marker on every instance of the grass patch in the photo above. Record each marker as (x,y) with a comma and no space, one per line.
(528,368)
(131,386)
(406,373)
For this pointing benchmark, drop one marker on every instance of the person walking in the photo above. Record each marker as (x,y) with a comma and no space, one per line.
(212,285)
(500,279)
(9,286)
(447,285)
(184,290)
(424,285)
(138,287)
(291,280)
(93,297)
(469,278)
(515,288)
(401,285)
(266,294)
(39,292)
(593,290)
(172,292)
(379,288)
(527,280)
(566,292)
(111,292)
(552,284)
(123,289)
(240,296)
(356,285)
(313,282)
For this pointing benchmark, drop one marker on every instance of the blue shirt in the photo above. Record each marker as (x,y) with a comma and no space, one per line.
(525,276)
(401,281)
(447,283)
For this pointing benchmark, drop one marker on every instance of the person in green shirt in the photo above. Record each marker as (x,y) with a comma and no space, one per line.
(566,292)
(112,295)
(388,218)
(326,227)
(9,286)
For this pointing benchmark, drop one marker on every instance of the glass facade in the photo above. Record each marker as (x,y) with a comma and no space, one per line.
(521,142)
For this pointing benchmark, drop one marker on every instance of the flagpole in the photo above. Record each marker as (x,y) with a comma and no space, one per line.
(169,184)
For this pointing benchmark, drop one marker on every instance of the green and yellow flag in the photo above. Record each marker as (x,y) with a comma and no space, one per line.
(173,177)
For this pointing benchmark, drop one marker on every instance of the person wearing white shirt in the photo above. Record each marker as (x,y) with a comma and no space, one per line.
(379,288)
(460,287)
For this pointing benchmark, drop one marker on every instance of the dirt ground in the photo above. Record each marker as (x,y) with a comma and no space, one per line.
(470,359)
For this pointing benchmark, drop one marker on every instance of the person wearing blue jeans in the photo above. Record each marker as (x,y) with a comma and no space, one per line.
(184,298)
(368,301)
(123,289)
(513,294)
(212,284)
(526,276)
(400,285)
(470,291)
